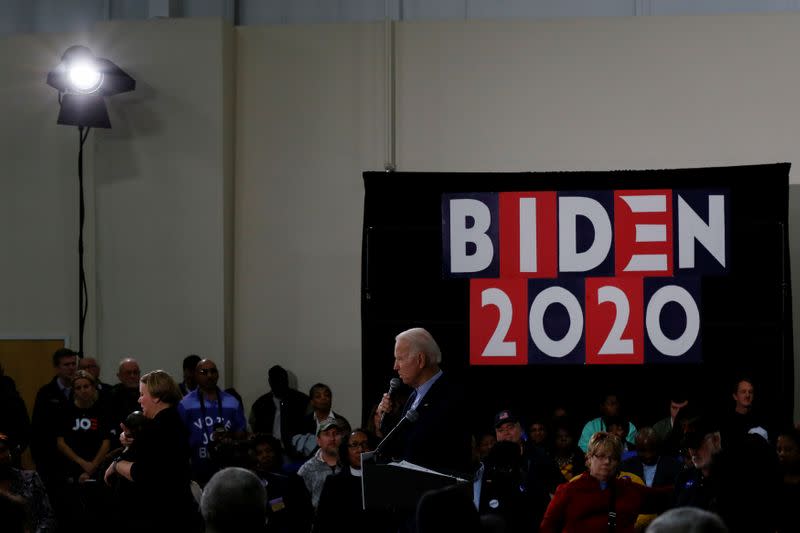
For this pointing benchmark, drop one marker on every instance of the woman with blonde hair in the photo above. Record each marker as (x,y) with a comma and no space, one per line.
(160,495)
(598,500)
(83,442)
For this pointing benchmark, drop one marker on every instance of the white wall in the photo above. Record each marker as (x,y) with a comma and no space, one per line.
(164,194)
(606,93)
(310,119)
(159,192)
(39,197)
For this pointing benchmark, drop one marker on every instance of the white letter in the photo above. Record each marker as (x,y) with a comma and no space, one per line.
(569,207)
(527,235)
(656,203)
(497,345)
(543,300)
(460,235)
(614,343)
(691,227)
(662,343)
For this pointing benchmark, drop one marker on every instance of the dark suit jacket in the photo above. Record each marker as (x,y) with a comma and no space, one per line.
(440,438)
(50,402)
(667,470)
(293,410)
(289,507)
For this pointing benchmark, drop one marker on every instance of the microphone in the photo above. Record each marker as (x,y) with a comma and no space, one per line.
(394,384)
(411,417)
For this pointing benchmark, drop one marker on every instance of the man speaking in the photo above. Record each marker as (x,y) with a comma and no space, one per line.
(438,437)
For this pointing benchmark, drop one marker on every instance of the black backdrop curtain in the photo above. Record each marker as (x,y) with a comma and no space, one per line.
(745,315)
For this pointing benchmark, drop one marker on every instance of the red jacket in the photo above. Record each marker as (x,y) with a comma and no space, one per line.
(581,506)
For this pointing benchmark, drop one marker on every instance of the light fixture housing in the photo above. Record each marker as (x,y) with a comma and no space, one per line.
(83,81)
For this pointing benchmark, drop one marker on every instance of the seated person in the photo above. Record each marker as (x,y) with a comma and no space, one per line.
(788,447)
(538,470)
(617,425)
(24,505)
(233,501)
(538,434)
(483,444)
(289,507)
(321,399)
(340,504)
(687,520)
(609,406)
(14,420)
(325,462)
(678,400)
(654,469)
(587,502)
(570,459)
(504,492)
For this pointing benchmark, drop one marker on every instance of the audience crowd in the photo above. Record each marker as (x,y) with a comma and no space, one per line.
(152,453)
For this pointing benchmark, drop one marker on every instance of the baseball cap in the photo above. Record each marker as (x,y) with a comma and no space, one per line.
(503,417)
(328,424)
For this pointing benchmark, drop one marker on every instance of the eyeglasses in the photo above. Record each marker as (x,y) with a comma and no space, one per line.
(359,444)
(205,371)
(603,457)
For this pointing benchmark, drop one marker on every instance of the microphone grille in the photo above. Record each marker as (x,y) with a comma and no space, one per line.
(394,384)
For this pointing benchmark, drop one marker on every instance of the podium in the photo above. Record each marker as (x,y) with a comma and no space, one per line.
(399,486)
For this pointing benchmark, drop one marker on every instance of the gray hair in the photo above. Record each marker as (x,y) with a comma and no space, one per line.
(234,500)
(687,520)
(421,341)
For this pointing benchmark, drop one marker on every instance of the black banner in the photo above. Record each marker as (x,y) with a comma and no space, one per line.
(695,260)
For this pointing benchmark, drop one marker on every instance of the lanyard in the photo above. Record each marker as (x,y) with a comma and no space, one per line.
(203,408)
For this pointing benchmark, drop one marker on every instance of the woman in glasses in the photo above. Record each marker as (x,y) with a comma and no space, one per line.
(598,500)
(340,506)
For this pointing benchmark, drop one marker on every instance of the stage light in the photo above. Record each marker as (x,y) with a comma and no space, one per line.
(85,77)
(82,81)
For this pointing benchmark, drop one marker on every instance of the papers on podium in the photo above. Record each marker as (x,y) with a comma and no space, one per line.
(399,485)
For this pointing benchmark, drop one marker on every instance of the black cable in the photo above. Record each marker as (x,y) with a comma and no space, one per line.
(83,292)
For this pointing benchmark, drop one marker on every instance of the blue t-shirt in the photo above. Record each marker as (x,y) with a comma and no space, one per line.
(201,419)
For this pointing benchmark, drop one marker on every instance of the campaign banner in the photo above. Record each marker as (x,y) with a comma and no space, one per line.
(586,277)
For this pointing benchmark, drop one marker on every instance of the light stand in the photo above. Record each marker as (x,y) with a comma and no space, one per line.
(82,81)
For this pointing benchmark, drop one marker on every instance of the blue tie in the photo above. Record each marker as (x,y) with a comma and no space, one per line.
(409,402)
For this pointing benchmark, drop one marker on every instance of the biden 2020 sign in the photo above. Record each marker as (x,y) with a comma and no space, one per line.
(595,277)
(551,287)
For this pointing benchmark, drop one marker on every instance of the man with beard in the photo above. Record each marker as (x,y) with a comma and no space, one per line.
(325,462)
(739,483)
